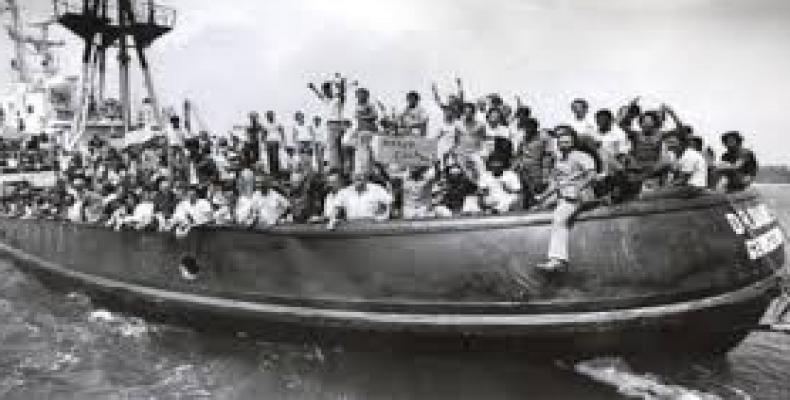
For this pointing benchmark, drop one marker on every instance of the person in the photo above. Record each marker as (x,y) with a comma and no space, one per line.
(362,200)
(273,136)
(497,134)
(527,159)
(334,184)
(332,96)
(501,186)
(470,131)
(417,190)
(454,101)
(613,144)
(193,210)
(581,123)
(445,135)
(572,174)
(269,206)
(358,141)
(143,215)
(319,135)
(645,164)
(414,120)
(690,168)
(304,141)
(738,167)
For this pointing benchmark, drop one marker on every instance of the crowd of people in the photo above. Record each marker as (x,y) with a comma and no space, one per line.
(487,157)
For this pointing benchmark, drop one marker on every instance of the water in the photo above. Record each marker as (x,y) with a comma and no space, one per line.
(58,346)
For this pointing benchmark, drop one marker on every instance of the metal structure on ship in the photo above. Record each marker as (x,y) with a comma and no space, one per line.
(126,25)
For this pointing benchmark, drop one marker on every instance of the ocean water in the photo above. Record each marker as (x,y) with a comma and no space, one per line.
(58,346)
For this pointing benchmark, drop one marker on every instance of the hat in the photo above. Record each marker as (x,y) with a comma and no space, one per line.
(735,134)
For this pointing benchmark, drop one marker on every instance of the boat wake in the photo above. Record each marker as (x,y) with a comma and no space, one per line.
(616,372)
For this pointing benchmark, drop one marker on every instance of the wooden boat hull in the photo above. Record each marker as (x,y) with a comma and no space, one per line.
(688,271)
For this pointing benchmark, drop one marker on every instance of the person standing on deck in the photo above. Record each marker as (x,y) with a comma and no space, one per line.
(573,172)
(357,142)
(581,122)
(319,134)
(470,131)
(304,144)
(414,120)
(333,97)
(445,135)
(273,136)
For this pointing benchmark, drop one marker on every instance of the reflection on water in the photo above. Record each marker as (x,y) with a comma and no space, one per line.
(58,346)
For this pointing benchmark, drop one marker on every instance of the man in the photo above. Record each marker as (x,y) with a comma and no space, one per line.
(581,123)
(303,140)
(334,184)
(445,135)
(319,134)
(689,169)
(470,131)
(414,119)
(527,162)
(573,172)
(143,215)
(269,205)
(613,144)
(738,166)
(272,138)
(358,153)
(648,157)
(332,96)
(361,201)
(193,210)
(501,186)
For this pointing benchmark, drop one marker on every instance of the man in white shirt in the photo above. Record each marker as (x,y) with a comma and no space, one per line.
(143,215)
(581,122)
(193,210)
(613,144)
(362,200)
(689,168)
(501,187)
(269,205)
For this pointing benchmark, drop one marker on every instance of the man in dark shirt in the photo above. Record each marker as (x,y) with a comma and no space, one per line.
(738,166)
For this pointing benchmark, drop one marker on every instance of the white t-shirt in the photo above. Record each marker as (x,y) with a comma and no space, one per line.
(245,210)
(143,214)
(613,142)
(692,162)
(366,204)
(270,207)
(500,131)
(497,196)
(583,127)
(273,132)
(199,213)
(303,133)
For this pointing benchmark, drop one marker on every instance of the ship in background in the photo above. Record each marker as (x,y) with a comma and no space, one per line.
(45,109)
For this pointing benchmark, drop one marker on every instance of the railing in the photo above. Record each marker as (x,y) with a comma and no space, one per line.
(146,12)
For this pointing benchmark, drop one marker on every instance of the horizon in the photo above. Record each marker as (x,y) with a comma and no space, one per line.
(721,64)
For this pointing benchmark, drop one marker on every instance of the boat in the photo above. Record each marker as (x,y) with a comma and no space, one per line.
(682,271)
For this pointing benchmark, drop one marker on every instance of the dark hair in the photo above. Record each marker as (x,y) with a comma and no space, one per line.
(579,100)
(566,130)
(604,112)
(473,106)
(735,134)
(413,94)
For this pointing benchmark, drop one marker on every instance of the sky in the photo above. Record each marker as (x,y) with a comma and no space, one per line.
(722,64)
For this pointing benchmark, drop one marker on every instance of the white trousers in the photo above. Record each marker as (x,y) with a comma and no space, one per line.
(560,228)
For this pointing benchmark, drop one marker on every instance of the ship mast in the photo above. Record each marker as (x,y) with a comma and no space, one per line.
(127,24)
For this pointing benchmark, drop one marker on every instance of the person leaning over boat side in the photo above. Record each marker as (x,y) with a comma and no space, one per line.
(143,215)
(738,166)
(362,200)
(573,172)
(269,205)
(193,210)
(501,186)
(689,169)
